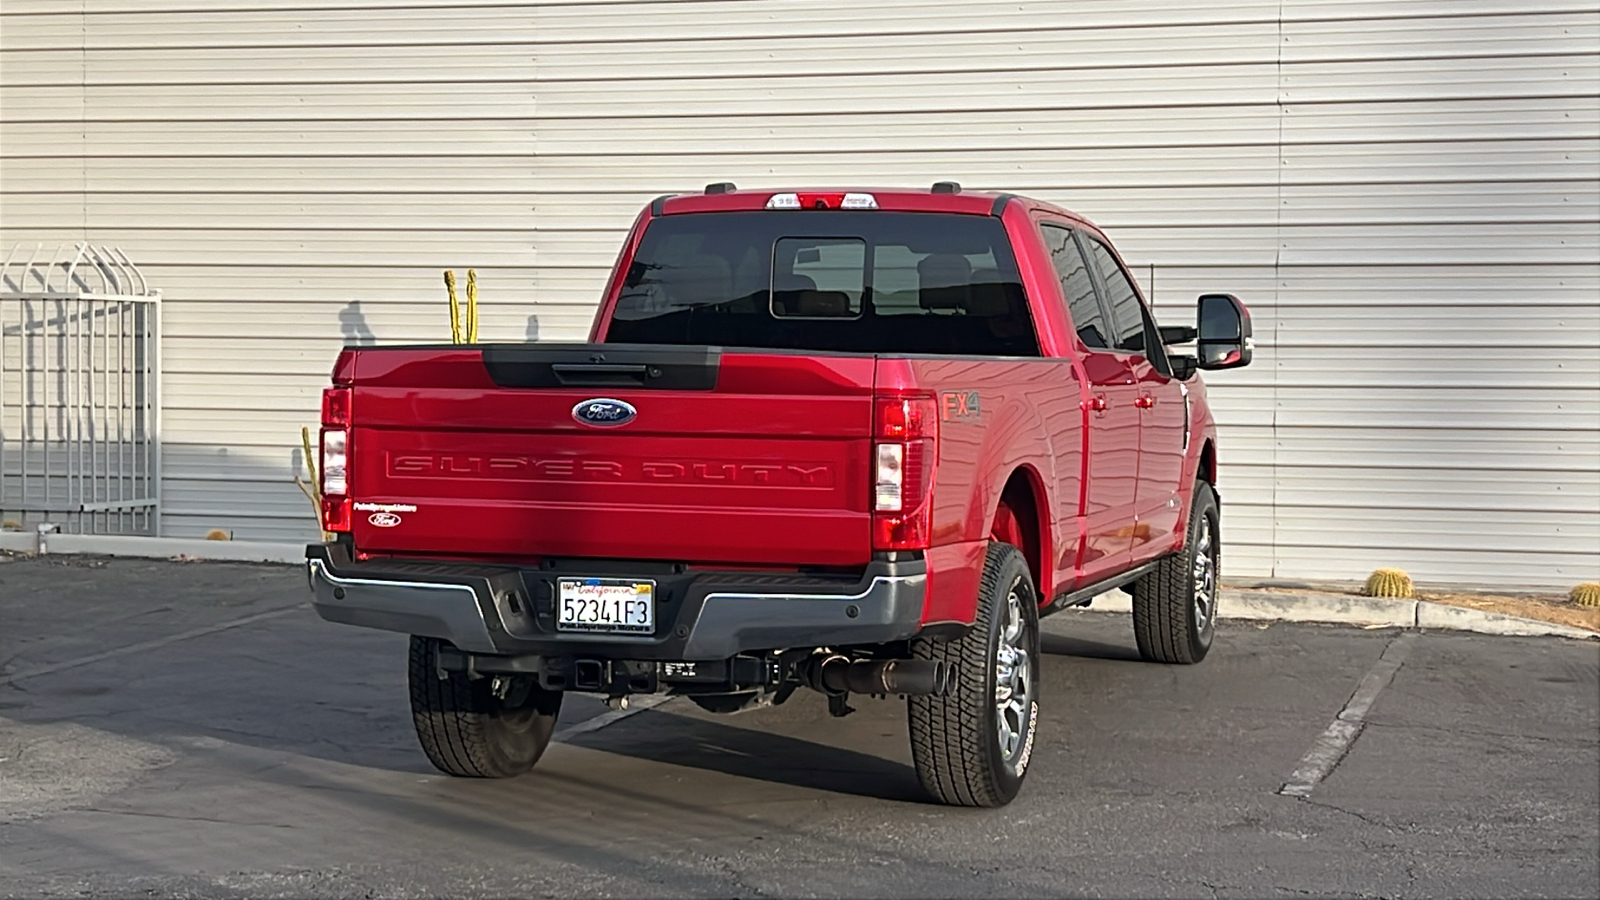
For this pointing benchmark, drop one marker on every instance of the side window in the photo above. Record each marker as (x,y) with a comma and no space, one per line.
(1077,287)
(1127,315)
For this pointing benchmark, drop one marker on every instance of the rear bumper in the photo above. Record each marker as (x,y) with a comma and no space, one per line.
(700,615)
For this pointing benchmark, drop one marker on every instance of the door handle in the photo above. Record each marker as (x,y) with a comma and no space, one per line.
(1145,401)
(1096,403)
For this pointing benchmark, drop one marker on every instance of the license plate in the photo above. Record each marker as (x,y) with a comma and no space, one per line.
(606,605)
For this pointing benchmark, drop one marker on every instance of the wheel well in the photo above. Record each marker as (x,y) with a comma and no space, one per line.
(1208,463)
(1017,521)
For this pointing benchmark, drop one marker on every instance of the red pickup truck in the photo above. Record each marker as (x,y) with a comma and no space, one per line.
(850,441)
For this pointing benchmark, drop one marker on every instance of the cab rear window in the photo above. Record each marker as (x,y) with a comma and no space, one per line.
(827,281)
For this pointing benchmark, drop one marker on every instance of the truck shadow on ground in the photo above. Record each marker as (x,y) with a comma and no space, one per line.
(665,737)
(1066,645)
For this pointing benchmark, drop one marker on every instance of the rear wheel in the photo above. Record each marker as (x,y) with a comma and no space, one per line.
(1175,604)
(971,747)
(491,727)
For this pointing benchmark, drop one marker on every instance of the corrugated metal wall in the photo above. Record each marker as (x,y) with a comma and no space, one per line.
(1406,192)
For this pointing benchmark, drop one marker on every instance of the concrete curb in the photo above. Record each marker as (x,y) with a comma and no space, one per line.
(1343,609)
(18,542)
(1439,615)
(153,548)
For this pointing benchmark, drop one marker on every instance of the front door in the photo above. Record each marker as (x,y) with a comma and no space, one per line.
(1162,451)
(1161,403)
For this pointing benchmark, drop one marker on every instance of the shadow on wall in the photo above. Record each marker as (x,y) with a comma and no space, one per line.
(353,324)
(248,492)
(257,499)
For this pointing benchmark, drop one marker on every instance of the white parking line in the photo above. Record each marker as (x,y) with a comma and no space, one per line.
(1335,741)
(147,645)
(635,705)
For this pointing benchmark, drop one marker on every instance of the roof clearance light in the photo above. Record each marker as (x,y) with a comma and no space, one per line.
(822,201)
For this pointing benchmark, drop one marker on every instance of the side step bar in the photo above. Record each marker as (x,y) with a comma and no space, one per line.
(1083,596)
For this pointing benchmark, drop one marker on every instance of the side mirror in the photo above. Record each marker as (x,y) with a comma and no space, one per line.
(1177,334)
(1225,339)
(1183,367)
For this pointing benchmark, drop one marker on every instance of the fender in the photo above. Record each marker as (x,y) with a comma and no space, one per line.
(1013,438)
(1202,440)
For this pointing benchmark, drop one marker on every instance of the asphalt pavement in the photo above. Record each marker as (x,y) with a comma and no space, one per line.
(173,729)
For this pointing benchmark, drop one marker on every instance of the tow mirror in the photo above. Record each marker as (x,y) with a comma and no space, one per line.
(1177,334)
(1183,365)
(1225,340)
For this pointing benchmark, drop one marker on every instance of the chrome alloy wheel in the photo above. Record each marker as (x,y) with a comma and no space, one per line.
(1013,679)
(1205,576)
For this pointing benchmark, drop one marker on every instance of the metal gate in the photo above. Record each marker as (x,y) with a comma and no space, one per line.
(80,418)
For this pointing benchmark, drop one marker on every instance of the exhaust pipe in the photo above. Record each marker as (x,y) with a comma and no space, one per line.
(840,675)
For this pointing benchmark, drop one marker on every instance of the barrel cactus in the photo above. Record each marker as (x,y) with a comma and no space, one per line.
(1586,594)
(1389,583)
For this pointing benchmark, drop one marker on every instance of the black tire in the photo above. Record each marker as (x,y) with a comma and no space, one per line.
(956,742)
(1175,604)
(466,730)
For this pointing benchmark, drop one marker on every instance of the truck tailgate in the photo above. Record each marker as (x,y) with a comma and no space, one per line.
(761,460)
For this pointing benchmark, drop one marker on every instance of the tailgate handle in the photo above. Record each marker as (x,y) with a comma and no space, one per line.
(598,366)
(600,374)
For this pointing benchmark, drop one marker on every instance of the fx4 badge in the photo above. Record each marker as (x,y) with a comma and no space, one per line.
(960,405)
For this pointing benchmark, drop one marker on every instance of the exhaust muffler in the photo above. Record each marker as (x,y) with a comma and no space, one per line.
(835,674)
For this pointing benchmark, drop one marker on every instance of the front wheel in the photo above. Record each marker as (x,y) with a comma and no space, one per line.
(478,727)
(971,747)
(1175,604)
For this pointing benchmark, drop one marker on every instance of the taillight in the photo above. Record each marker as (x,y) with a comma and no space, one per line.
(907,417)
(906,430)
(335,469)
(336,513)
(336,407)
(889,493)
(335,457)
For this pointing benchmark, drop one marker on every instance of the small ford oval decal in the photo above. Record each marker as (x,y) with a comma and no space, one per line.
(604,411)
(384,519)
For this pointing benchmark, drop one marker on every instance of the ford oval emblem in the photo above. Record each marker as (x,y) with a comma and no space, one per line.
(384,519)
(604,411)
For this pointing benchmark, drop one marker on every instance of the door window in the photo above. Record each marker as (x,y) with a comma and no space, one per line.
(1077,287)
(1136,331)
(1126,317)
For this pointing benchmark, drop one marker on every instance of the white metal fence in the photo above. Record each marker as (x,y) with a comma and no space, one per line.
(79,392)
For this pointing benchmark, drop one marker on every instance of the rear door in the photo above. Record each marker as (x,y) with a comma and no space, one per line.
(1112,433)
(609,451)
(1160,403)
